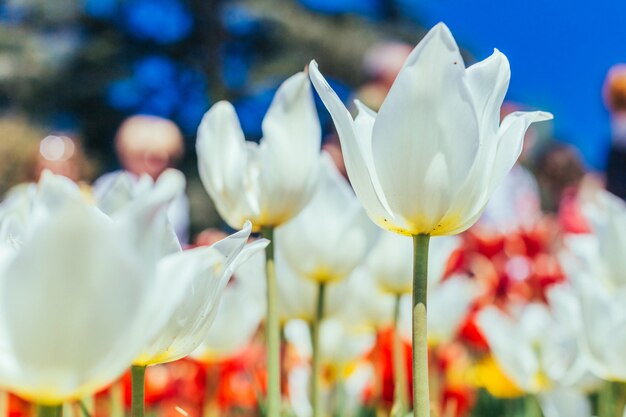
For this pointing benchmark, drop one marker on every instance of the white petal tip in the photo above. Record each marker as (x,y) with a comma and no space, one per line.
(544,115)
(172,179)
(441,26)
(443,33)
(261,243)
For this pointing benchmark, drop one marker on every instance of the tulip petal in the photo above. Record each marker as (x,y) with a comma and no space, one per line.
(74,272)
(146,215)
(357,150)
(291,127)
(488,82)
(510,142)
(516,359)
(183,331)
(414,139)
(565,402)
(288,153)
(222,161)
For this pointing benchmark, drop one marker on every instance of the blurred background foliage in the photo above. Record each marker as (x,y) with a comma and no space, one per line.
(84,65)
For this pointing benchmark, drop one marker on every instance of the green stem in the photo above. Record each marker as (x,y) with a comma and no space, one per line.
(49,410)
(272,329)
(315,339)
(531,407)
(137,403)
(83,409)
(399,370)
(421,400)
(606,400)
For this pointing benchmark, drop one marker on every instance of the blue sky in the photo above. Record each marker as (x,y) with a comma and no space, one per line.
(559,52)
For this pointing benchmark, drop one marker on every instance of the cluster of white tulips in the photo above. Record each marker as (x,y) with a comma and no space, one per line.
(571,349)
(424,165)
(91,288)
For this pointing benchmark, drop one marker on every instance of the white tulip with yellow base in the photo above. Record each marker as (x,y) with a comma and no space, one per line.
(79,295)
(270,182)
(210,268)
(428,162)
(332,235)
(540,354)
(267,183)
(324,244)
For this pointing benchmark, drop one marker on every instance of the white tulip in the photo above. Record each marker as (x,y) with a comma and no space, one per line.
(535,350)
(270,182)
(208,269)
(607,215)
(600,315)
(79,294)
(428,162)
(332,234)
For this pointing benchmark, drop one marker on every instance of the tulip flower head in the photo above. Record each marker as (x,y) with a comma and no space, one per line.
(332,234)
(428,162)
(270,182)
(209,269)
(80,297)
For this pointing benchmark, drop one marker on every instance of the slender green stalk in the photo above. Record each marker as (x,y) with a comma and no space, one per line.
(531,407)
(49,410)
(606,400)
(83,409)
(421,400)
(315,339)
(400,403)
(272,329)
(137,401)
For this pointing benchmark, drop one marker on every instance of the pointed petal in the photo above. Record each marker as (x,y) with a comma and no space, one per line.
(427,126)
(488,82)
(195,271)
(222,161)
(291,124)
(356,150)
(511,138)
(116,196)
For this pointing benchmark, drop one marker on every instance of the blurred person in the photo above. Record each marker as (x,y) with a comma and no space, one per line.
(149,145)
(614,94)
(560,174)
